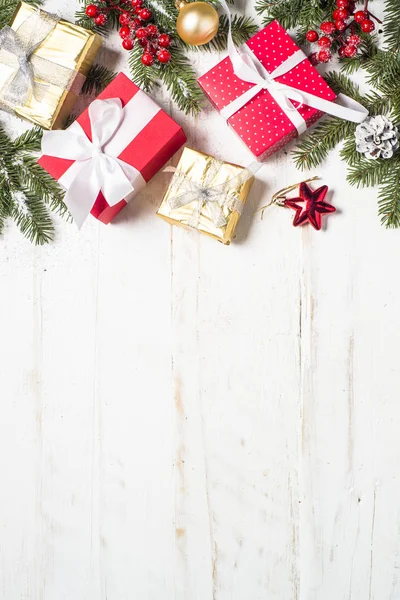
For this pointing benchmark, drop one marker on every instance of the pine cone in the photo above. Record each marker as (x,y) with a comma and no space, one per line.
(377,137)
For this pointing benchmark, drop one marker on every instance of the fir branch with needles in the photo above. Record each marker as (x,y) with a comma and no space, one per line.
(178,75)
(381,68)
(98,78)
(295,13)
(27,192)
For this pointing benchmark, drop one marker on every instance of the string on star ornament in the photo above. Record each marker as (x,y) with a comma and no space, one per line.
(309,205)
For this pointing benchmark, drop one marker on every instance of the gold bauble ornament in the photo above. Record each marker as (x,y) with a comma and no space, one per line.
(197,22)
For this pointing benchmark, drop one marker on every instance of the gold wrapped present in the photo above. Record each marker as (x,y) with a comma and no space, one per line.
(43,64)
(206,194)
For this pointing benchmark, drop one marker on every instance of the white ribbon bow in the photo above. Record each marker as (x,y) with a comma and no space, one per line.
(97,170)
(248,68)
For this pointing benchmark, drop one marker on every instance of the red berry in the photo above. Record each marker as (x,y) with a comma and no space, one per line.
(141,33)
(127,43)
(352,7)
(350,51)
(125,31)
(311,36)
(137,3)
(367,26)
(145,14)
(100,20)
(341,14)
(124,18)
(325,41)
(360,16)
(328,27)
(354,40)
(152,29)
(147,59)
(342,51)
(164,56)
(137,23)
(313,58)
(324,56)
(342,3)
(164,40)
(340,25)
(91,11)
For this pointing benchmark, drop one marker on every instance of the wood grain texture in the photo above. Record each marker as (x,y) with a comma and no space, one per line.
(187,421)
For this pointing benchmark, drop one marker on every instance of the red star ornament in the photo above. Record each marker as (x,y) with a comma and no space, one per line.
(310,205)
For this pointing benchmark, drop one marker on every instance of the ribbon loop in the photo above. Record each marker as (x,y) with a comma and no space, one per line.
(97,168)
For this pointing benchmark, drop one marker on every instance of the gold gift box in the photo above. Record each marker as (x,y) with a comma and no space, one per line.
(68,46)
(195,165)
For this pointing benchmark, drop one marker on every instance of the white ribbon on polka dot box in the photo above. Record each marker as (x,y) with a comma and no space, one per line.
(269,92)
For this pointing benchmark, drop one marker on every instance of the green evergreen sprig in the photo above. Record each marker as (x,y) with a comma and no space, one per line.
(27,192)
(382,70)
(295,13)
(178,76)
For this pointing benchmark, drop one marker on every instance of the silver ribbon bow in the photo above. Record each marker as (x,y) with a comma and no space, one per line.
(17,51)
(215,197)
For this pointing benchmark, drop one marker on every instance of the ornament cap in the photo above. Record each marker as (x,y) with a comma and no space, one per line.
(179,4)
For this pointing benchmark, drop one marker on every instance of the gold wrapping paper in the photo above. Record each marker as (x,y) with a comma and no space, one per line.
(68,46)
(194,165)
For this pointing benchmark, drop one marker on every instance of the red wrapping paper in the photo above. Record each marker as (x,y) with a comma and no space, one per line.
(147,152)
(261,124)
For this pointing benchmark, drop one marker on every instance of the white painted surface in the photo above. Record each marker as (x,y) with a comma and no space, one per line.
(183,420)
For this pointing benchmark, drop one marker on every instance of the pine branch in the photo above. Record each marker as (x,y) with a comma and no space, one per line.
(42,185)
(84,21)
(242,29)
(165,14)
(315,146)
(181,82)
(367,51)
(389,198)
(143,76)
(31,216)
(26,189)
(349,152)
(343,85)
(30,140)
(392,25)
(295,13)
(368,173)
(97,79)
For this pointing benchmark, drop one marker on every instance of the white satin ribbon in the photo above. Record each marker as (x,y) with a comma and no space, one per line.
(248,68)
(96,166)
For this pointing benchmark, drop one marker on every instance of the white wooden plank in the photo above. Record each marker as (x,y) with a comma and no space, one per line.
(183,420)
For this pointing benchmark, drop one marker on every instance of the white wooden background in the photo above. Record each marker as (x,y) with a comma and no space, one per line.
(183,420)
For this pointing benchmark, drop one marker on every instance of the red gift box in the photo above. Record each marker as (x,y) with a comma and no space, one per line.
(261,123)
(147,152)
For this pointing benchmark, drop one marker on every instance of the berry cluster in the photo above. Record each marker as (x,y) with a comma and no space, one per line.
(135,28)
(345,19)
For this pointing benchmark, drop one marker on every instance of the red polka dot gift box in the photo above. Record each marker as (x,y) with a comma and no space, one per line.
(267,122)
